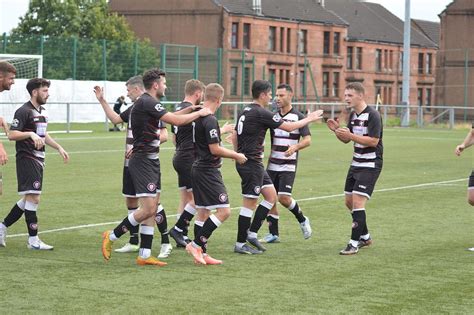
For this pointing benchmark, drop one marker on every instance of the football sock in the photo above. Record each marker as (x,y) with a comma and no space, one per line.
(260,214)
(133,230)
(15,213)
(185,218)
(358,222)
(31,218)
(209,226)
(245,218)
(197,231)
(295,209)
(273,224)
(124,227)
(146,240)
(162,224)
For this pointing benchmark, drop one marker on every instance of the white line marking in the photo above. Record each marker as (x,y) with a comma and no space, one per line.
(300,200)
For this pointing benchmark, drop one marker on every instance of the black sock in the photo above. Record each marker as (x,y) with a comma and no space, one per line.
(123,227)
(206,231)
(297,213)
(272,225)
(31,222)
(197,230)
(365,229)
(14,215)
(133,230)
(183,221)
(260,215)
(242,228)
(358,222)
(146,241)
(162,224)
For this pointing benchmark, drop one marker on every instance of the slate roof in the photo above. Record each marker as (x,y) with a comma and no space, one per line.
(429,28)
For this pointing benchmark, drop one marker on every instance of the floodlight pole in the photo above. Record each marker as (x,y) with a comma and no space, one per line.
(406,66)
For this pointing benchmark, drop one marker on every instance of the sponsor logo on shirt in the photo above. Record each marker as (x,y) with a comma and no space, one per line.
(15,122)
(213,133)
(159,107)
(276,118)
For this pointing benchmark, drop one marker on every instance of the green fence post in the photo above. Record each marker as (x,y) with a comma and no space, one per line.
(242,79)
(253,68)
(264,72)
(4,48)
(196,62)
(163,56)
(466,81)
(305,88)
(219,65)
(104,57)
(41,45)
(135,63)
(74,58)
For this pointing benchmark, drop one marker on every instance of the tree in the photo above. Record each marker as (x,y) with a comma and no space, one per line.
(74,36)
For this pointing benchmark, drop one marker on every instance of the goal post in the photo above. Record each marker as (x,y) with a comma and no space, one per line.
(27,66)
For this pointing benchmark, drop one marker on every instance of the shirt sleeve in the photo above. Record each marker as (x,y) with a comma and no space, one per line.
(270,120)
(304,131)
(20,119)
(212,130)
(155,109)
(125,115)
(374,128)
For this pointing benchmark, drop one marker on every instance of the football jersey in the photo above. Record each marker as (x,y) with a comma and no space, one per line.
(282,139)
(251,128)
(367,123)
(143,122)
(27,118)
(206,131)
(184,134)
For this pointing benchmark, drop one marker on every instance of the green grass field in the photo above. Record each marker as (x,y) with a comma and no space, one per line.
(418,217)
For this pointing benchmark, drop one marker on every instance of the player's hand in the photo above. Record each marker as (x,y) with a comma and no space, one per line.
(343,133)
(459,149)
(39,142)
(63,154)
(195,107)
(240,158)
(333,124)
(227,128)
(204,112)
(291,150)
(99,92)
(316,115)
(4,125)
(3,155)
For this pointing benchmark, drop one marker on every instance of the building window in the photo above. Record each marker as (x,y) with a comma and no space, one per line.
(246,39)
(336,44)
(287,76)
(233,80)
(420,97)
(235,35)
(400,61)
(302,84)
(388,99)
(335,84)
(272,76)
(390,60)
(326,84)
(429,63)
(282,78)
(282,39)
(420,63)
(272,38)
(303,38)
(326,43)
(246,81)
(288,40)
(350,51)
(428,99)
(385,59)
(378,93)
(358,61)
(378,60)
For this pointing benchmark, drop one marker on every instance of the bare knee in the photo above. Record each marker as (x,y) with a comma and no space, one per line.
(285,200)
(471,201)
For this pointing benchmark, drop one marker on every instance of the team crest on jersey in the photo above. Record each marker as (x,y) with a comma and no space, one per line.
(276,118)
(256,189)
(223,197)
(361,123)
(151,187)
(159,218)
(36,184)
(213,133)
(15,122)
(246,109)
(159,107)
(34,226)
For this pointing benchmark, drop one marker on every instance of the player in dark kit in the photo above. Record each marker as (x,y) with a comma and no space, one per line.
(208,187)
(365,130)
(144,164)
(248,138)
(468,141)
(29,130)
(135,89)
(282,164)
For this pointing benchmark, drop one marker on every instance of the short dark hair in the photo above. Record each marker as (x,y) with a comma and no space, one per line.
(259,87)
(151,76)
(6,67)
(356,86)
(286,87)
(36,83)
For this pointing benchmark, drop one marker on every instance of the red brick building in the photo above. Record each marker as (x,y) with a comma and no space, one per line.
(339,41)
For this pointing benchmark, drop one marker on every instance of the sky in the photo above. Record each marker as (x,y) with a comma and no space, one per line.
(11,10)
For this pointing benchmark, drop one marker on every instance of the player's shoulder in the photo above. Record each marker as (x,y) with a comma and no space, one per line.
(25,108)
(182,105)
(372,112)
(296,112)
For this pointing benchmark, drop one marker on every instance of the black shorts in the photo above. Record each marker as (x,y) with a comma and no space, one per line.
(145,174)
(182,163)
(128,190)
(209,190)
(361,181)
(29,173)
(471,181)
(283,181)
(253,178)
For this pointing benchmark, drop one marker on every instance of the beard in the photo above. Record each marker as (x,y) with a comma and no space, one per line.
(6,86)
(41,100)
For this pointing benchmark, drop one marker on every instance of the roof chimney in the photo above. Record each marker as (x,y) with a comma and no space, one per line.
(257,6)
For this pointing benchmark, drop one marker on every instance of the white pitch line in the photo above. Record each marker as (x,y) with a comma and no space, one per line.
(304,199)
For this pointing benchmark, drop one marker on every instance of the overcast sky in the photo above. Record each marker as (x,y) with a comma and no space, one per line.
(11,10)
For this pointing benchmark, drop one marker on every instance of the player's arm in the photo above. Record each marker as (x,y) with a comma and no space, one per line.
(222,152)
(468,141)
(188,109)
(293,125)
(180,120)
(304,143)
(227,128)
(16,135)
(3,155)
(109,112)
(53,144)
(163,135)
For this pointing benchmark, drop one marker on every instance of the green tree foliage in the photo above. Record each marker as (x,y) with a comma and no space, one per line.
(76,36)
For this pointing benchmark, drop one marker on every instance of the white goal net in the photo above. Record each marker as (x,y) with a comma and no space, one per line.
(27,66)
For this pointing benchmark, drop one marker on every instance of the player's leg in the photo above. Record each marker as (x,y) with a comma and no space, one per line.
(179,231)
(352,247)
(470,196)
(273,218)
(13,216)
(147,228)
(162,224)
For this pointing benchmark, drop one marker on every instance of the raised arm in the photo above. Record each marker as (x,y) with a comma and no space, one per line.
(109,112)
(312,117)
